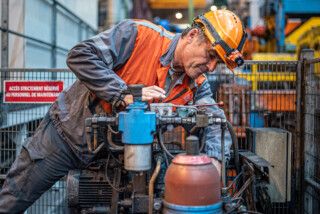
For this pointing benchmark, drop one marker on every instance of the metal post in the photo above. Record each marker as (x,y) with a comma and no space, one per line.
(306,104)
(4,57)
(54,38)
(4,33)
(224,180)
(282,24)
(191,11)
(279,26)
(298,145)
(80,31)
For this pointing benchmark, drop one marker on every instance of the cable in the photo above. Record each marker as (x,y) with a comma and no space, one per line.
(238,176)
(237,205)
(116,159)
(163,147)
(236,187)
(115,103)
(203,143)
(234,143)
(235,146)
(237,198)
(113,132)
(118,190)
(166,158)
(110,142)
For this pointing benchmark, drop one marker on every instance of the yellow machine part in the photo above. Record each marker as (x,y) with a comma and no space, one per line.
(294,37)
(274,56)
(311,40)
(175,4)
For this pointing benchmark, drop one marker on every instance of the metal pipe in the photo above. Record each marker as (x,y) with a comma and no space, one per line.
(4,34)
(191,12)
(98,149)
(223,128)
(88,133)
(95,137)
(110,142)
(151,183)
(212,104)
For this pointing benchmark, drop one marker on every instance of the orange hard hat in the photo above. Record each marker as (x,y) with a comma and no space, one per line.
(227,34)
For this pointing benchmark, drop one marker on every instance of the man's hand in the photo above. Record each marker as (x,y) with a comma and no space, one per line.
(217,164)
(148,93)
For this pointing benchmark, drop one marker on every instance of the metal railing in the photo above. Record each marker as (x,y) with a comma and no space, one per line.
(309,132)
(19,121)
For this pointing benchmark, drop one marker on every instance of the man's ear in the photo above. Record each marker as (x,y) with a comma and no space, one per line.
(193,34)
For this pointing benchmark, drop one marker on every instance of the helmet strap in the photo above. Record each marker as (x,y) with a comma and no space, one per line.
(215,35)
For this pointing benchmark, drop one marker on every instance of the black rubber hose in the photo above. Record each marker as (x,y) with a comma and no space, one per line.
(234,144)
(163,147)
(233,138)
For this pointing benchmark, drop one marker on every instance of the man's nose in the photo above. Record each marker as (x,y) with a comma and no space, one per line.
(212,65)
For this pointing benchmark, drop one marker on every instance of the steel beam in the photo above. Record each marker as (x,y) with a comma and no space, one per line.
(54,37)
(191,12)
(4,33)
(4,57)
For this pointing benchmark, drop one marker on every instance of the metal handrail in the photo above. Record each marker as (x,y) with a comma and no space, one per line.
(34,70)
(32,38)
(312,61)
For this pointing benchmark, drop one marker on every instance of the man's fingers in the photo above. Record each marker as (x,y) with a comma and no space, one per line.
(155,88)
(154,92)
(144,98)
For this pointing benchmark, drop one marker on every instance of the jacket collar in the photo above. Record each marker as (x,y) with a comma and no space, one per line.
(167,57)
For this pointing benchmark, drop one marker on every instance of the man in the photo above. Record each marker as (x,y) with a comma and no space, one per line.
(133,52)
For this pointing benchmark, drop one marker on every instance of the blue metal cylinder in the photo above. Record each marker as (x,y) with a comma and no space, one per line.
(178,209)
(137,125)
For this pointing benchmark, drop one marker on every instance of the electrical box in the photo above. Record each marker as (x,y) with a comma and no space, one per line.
(274,145)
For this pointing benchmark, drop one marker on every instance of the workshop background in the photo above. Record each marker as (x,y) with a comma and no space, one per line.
(277,87)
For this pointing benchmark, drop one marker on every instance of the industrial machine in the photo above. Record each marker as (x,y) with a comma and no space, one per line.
(141,173)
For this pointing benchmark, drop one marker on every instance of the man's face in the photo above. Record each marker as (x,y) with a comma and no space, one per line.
(199,58)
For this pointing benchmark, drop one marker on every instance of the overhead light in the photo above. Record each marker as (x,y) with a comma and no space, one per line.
(214,8)
(179,15)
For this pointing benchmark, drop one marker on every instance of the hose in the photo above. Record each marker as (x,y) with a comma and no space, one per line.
(235,146)
(234,140)
(114,132)
(110,142)
(163,147)
(107,178)
(151,183)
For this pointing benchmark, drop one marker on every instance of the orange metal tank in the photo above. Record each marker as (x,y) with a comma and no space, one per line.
(192,179)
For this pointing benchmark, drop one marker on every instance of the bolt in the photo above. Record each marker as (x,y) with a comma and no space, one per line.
(157,206)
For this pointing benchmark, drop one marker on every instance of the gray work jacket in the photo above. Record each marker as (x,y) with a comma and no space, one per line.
(94,61)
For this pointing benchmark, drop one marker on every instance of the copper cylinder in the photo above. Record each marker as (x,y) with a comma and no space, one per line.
(192,180)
